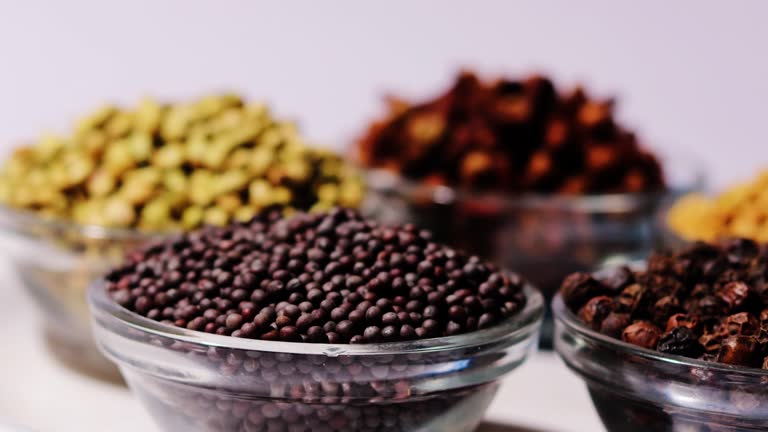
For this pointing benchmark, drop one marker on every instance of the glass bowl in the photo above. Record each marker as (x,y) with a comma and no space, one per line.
(636,389)
(56,261)
(196,381)
(544,237)
(668,238)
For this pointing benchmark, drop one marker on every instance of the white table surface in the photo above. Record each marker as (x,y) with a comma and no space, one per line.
(43,395)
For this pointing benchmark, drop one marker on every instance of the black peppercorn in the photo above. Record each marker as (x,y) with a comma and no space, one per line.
(743,323)
(613,324)
(631,298)
(680,341)
(733,294)
(664,308)
(596,310)
(578,288)
(739,350)
(711,299)
(683,320)
(642,333)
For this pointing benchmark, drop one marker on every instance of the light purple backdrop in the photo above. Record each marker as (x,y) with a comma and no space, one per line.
(691,75)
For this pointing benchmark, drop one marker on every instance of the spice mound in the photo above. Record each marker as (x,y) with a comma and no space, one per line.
(708,301)
(740,211)
(320,278)
(512,136)
(170,166)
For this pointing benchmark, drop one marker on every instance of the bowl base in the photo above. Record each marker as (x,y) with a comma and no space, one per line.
(622,414)
(176,407)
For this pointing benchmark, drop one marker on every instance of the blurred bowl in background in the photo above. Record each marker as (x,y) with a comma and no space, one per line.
(56,261)
(668,239)
(543,237)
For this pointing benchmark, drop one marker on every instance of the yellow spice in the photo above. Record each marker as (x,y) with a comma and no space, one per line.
(739,211)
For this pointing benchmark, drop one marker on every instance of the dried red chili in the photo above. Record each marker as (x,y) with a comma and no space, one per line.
(513,135)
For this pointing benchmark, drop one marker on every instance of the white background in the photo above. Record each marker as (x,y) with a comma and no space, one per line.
(689,75)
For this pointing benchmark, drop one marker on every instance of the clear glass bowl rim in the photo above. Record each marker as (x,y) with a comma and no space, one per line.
(25,218)
(522,325)
(383,180)
(565,317)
